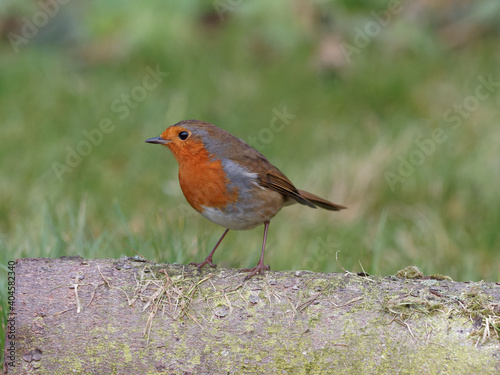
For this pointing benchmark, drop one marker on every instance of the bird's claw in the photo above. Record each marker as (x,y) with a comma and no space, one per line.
(259,268)
(204,263)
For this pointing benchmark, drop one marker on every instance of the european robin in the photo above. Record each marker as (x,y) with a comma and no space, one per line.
(231,183)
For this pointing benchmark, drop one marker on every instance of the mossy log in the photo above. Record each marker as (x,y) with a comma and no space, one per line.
(132,317)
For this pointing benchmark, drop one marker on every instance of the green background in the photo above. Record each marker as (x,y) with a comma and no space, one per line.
(387,113)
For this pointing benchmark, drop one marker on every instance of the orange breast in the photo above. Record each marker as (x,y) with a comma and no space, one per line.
(203,181)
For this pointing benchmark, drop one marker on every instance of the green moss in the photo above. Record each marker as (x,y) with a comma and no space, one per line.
(126,353)
(314,319)
(476,301)
(410,272)
(440,277)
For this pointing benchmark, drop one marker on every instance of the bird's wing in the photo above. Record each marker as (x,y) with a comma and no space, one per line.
(269,176)
(272,178)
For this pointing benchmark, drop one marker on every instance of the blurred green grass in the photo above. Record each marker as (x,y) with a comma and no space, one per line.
(353,121)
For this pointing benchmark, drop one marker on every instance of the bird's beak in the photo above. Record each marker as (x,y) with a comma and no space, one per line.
(158,140)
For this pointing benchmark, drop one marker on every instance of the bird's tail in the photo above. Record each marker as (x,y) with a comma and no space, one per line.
(320,202)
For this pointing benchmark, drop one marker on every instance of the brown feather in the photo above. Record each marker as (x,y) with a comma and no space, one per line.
(323,203)
(283,185)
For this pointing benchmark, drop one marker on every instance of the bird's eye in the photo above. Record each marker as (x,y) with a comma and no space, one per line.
(183,135)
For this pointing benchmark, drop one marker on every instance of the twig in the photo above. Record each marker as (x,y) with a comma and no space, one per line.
(92,296)
(78,305)
(348,302)
(307,303)
(142,256)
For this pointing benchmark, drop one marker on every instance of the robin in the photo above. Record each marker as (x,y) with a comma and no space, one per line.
(231,183)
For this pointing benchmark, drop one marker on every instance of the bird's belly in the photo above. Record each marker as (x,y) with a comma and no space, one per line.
(246,215)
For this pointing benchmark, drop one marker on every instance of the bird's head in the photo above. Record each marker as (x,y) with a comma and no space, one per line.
(185,139)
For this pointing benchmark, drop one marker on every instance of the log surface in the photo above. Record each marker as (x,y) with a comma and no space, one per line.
(125,316)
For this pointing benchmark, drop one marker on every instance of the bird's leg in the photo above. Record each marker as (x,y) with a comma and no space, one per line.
(208,259)
(260,265)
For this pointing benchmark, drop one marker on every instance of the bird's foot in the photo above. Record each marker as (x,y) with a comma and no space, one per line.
(259,268)
(208,261)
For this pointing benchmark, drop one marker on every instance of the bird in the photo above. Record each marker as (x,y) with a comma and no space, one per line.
(231,183)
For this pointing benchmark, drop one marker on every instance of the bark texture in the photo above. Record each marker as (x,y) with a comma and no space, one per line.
(105,316)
